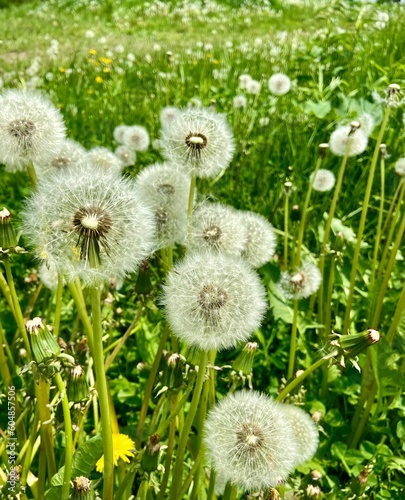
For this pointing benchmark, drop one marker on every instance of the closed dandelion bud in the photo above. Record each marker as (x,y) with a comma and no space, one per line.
(287,187)
(393,95)
(150,457)
(353,345)
(315,474)
(82,489)
(295,213)
(8,238)
(143,283)
(77,387)
(323,149)
(244,362)
(173,371)
(383,151)
(43,344)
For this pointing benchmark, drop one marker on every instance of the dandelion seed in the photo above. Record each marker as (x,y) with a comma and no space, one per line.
(201,140)
(244,80)
(168,115)
(219,228)
(249,440)
(302,283)
(48,274)
(279,84)
(126,155)
(261,240)
(136,138)
(323,180)
(239,102)
(71,155)
(119,133)
(213,301)
(339,141)
(31,129)
(253,87)
(93,227)
(400,167)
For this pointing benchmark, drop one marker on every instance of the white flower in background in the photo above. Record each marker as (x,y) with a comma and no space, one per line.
(89,34)
(239,102)
(119,133)
(400,167)
(213,301)
(49,76)
(48,275)
(102,159)
(31,128)
(264,121)
(119,49)
(200,140)
(168,115)
(366,123)
(249,440)
(382,18)
(195,102)
(126,155)
(323,180)
(261,239)
(279,84)
(217,227)
(70,154)
(302,283)
(253,87)
(244,80)
(136,138)
(93,227)
(348,136)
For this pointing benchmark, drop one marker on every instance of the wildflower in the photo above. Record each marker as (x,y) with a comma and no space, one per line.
(249,440)
(279,84)
(264,121)
(70,154)
(305,433)
(119,133)
(43,344)
(213,301)
(136,137)
(323,180)
(400,167)
(103,159)
(201,140)
(99,79)
(302,283)
(8,238)
(31,128)
(348,136)
(126,155)
(261,239)
(366,123)
(253,87)
(89,34)
(168,115)
(244,81)
(239,101)
(123,447)
(91,227)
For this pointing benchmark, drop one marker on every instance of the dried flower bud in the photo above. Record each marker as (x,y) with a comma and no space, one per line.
(8,238)
(244,361)
(383,150)
(295,213)
(287,187)
(82,488)
(313,491)
(77,387)
(150,457)
(173,371)
(323,149)
(315,474)
(43,343)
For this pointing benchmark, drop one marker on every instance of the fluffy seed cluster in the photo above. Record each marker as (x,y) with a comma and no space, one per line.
(31,129)
(213,301)
(219,228)
(400,167)
(261,239)
(239,102)
(70,154)
(279,84)
(126,155)
(91,227)
(323,180)
(166,188)
(254,442)
(168,115)
(136,138)
(200,140)
(302,283)
(104,160)
(344,137)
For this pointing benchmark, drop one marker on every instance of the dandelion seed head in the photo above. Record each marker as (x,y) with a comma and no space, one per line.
(339,141)
(239,102)
(279,84)
(70,154)
(323,180)
(168,115)
(261,239)
(103,159)
(301,284)
(244,80)
(119,133)
(249,441)
(213,301)
(400,167)
(136,138)
(126,155)
(48,275)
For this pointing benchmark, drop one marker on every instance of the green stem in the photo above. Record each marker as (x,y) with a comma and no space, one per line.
(379,225)
(293,342)
(7,295)
(230,492)
(358,431)
(178,467)
(293,384)
(32,175)
(392,204)
(169,453)
(68,437)
(143,490)
(211,487)
(102,391)
(149,387)
(47,441)
(193,183)
(76,293)
(362,224)
(286,215)
(29,447)
(185,486)
(58,308)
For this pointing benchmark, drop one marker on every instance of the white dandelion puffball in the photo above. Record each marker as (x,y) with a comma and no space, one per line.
(217,227)
(48,275)
(244,80)
(119,133)
(279,84)
(253,87)
(102,159)
(171,225)
(367,123)
(213,301)
(94,227)
(249,440)
(239,101)
(70,154)
(339,141)
(261,239)
(323,180)
(31,128)
(200,140)
(126,155)
(400,167)
(136,138)
(305,432)
(168,115)
(301,284)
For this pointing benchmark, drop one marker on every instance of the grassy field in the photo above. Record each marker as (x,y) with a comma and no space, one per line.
(104,64)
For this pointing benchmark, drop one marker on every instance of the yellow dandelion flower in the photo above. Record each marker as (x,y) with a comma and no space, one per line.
(90,91)
(105,60)
(93,52)
(215,61)
(99,79)
(106,70)
(62,70)
(123,447)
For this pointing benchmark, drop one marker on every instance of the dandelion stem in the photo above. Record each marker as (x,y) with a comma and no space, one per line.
(362,223)
(102,391)
(293,342)
(191,474)
(286,215)
(76,292)
(400,189)
(58,309)
(7,295)
(32,175)
(193,183)
(230,492)
(379,223)
(178,467)
(68,437)
(169,451)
